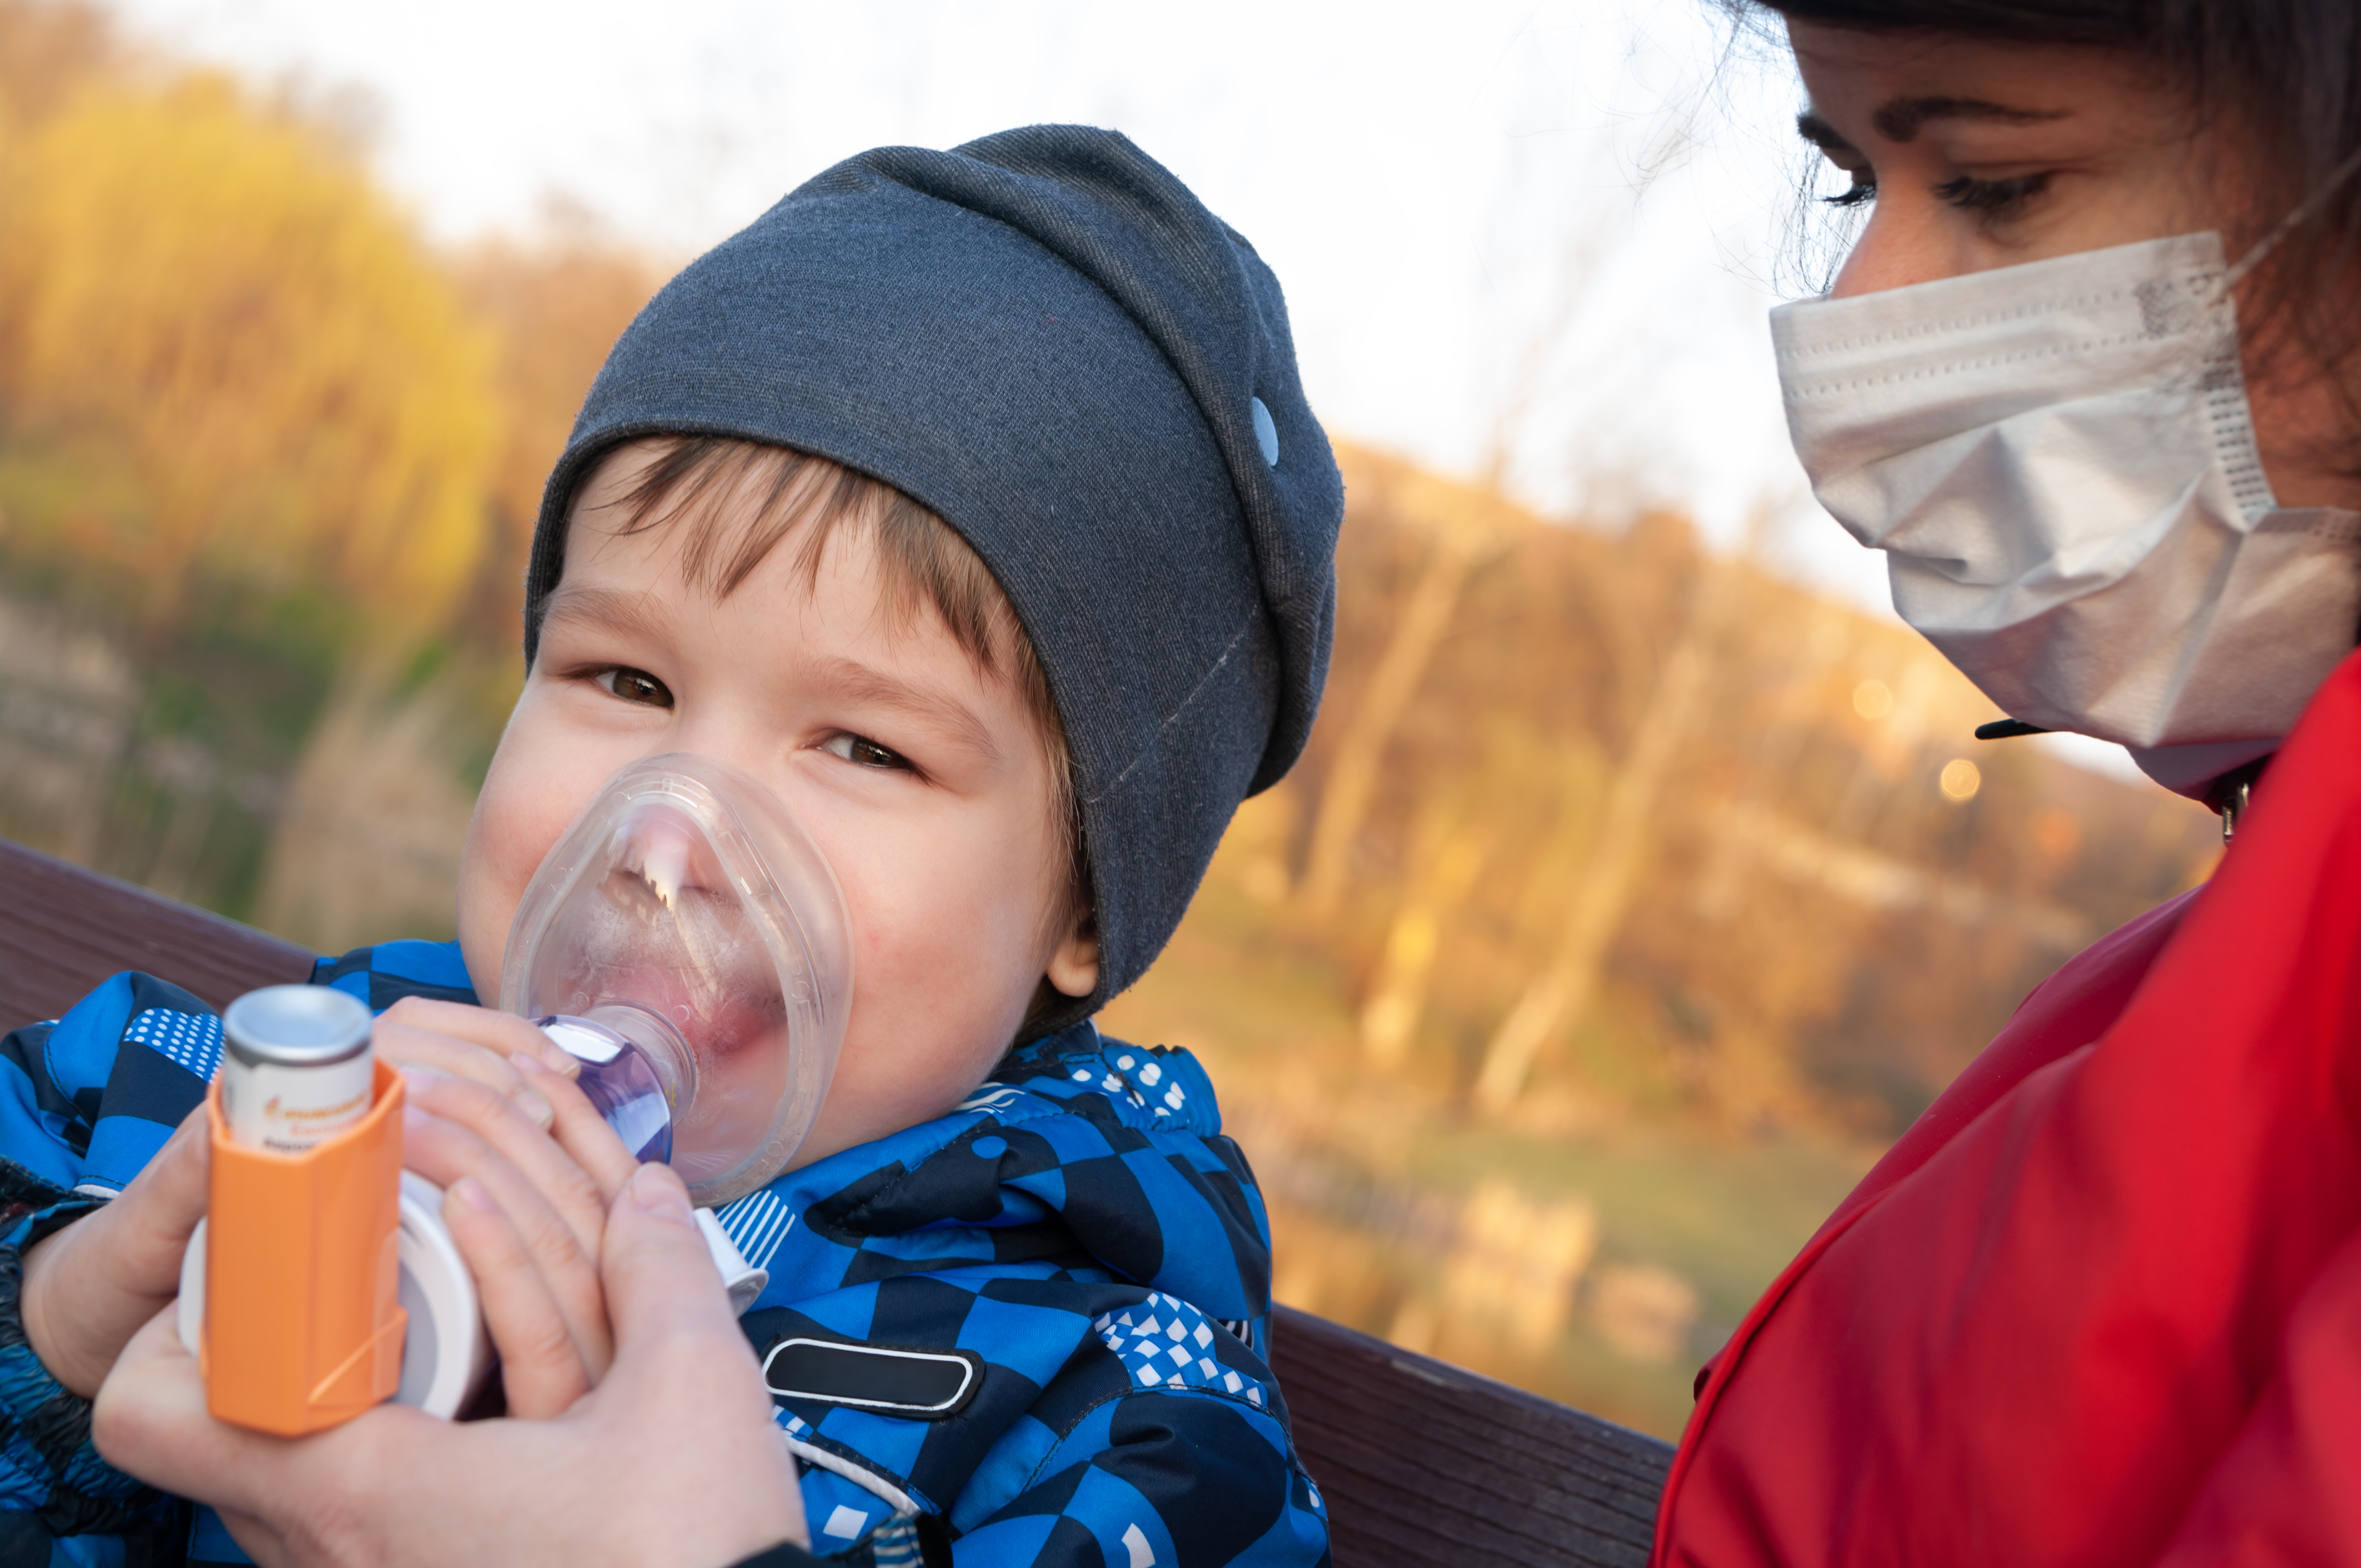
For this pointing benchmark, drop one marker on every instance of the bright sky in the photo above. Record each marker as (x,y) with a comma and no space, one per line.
(1421,176)
(1440,189)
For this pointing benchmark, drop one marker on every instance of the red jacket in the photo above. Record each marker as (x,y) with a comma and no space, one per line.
(2102,1304)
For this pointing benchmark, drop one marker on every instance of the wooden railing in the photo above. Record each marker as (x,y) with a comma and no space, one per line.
(1421,1462)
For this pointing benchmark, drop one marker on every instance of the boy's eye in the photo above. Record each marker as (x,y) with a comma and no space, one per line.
(635,686)
(864,752)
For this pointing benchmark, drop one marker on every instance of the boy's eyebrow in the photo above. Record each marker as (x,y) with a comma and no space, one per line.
(600,608)
(857,682)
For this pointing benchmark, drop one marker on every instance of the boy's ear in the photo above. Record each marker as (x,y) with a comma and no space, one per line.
(1073,968)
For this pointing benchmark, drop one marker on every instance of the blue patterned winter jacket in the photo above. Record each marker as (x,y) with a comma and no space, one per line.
(1029,1333)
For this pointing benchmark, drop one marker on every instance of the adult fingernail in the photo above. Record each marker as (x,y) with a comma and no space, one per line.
(532,1068)
(555,1061)
(417,1075)
(470,1191)
(543,1114)
(657,1192)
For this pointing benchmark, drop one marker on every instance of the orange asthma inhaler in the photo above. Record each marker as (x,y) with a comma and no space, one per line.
(302,1328)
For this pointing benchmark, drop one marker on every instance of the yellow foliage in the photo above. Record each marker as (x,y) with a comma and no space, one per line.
(554,310)
(216,297)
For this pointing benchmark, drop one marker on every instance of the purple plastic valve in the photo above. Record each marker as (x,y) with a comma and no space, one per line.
(620,1079)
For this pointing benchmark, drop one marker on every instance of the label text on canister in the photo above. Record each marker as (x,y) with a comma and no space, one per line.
(272,1106)
(296,1068)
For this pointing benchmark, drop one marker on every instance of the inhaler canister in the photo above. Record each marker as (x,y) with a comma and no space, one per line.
(297,1068)
(301,1324)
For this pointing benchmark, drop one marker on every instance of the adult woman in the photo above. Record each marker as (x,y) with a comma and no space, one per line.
(2087,374)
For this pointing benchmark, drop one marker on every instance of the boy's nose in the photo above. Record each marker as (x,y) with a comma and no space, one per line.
(754,749)
(659,851)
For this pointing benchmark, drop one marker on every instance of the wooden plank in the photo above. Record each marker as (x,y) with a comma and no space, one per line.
(1422,1463)
(64,929)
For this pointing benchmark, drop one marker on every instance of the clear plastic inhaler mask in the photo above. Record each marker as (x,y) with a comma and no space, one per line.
(686,941)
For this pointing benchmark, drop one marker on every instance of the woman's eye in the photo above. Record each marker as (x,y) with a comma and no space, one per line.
(864,752)
(1862,188)
(635,686)
(1991,198)
(1854,167)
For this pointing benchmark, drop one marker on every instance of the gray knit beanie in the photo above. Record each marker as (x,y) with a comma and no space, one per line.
(1046,340)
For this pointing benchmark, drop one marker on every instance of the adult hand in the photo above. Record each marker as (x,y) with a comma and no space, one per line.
(88,1288)
(672,1462)
(529,1168)
(527,1163)
(495,1050)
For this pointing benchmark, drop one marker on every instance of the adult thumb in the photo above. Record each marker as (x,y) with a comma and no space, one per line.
(662,1286)
(685,1384)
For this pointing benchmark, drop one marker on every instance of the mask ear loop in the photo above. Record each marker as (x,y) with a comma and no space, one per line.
(2229,417)
(2286,227)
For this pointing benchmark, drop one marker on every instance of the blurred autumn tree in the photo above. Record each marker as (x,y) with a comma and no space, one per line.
(1752,816)
(280,457)
(210,303)
(376,806)
(554,309)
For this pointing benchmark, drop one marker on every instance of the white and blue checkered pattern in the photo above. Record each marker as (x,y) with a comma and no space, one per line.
(1164,1342)
(756,1224)
(192,1039)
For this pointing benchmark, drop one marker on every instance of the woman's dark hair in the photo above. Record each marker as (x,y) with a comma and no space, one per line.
(2286,73)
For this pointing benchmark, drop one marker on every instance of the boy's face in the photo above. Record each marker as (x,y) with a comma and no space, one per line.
(921,778)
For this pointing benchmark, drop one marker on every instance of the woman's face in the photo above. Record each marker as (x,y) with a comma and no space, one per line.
(1983,155)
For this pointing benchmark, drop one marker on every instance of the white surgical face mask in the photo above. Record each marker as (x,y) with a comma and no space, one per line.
(2059,461)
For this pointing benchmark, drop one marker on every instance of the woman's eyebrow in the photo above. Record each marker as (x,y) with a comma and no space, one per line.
(1820,134)
(1900,119)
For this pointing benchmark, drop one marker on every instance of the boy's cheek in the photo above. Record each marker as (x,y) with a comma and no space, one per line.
(938,992)
(927,943)
(889,1080)
(530,793)
(488,891)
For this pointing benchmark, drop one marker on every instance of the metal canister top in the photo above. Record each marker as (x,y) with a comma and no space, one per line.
(296,1025)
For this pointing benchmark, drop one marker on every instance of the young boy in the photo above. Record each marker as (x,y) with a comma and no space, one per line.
(970,501)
